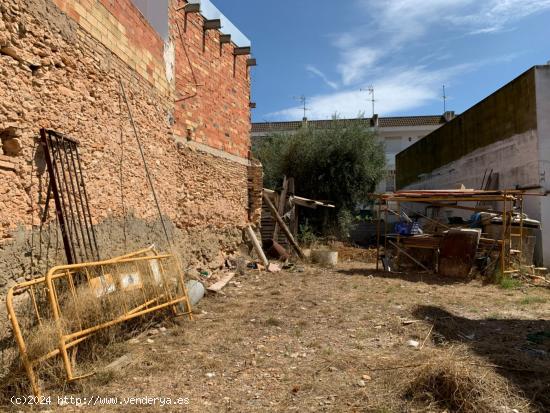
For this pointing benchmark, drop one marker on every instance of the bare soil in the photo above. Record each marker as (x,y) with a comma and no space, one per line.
(336,340)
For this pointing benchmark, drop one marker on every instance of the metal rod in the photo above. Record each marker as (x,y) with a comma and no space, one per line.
(21,342)
(71,172)
(57,177)
(378,232)
(503,247)
(80,202)
(59,210)
(62,161)
(87,205)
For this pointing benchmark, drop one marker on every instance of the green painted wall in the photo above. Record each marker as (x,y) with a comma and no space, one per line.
(509,111)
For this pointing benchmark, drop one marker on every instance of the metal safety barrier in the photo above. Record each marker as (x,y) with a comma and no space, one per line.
(78,300)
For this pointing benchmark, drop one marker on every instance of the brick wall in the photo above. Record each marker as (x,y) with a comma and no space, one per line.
(60,68)
(213,87)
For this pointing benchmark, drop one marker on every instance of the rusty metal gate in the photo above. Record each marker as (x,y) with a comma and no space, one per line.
(70,196)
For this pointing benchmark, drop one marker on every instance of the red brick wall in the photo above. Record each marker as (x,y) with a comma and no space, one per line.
(212,89)
(212,97)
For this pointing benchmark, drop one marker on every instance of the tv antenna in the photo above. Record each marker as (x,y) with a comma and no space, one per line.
(444,99)
(370,89)
(303,100)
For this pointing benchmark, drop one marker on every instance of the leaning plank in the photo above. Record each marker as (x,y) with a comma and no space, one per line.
(283,226)
(257,246)
(217,287)
(281,211)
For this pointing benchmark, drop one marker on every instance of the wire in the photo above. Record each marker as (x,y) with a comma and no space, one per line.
(145,164)
(121,176)
(195,93)
(32,210)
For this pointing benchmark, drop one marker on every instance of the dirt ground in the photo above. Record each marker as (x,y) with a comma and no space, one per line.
(336,340)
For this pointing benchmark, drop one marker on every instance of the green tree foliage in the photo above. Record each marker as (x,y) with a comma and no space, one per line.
(341,164)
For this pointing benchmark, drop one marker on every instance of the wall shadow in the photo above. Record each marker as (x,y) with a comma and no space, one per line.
(521,348)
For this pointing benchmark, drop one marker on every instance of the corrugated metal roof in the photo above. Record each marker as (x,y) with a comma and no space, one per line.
(384,122)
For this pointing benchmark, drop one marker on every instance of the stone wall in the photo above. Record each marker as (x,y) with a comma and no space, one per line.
(61,67)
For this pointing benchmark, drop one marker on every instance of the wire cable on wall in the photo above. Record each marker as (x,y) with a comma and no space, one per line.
(145,164)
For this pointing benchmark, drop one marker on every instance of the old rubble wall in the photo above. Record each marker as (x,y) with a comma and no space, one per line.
(60,66)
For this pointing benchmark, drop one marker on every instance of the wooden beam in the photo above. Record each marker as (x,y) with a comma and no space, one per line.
(281,209)
(285,229)
(192,8)
(225,38)
(257,246)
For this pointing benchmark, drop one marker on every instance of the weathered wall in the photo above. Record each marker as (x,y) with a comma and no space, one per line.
(543,121)
(60,68)
(508,112)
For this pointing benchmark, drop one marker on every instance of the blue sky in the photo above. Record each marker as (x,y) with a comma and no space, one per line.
(407,49)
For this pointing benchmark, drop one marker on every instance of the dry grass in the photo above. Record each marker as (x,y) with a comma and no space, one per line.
(459,386)
(335,340)
(80,309)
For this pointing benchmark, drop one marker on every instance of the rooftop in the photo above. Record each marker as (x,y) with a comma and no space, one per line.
(384,122)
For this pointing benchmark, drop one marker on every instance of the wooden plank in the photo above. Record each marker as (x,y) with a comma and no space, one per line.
(217,287)
(283,226)
(257,246)
(408,255)
(281,208)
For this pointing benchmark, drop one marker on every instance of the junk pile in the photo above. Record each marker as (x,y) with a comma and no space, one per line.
(271,248)
(456,232)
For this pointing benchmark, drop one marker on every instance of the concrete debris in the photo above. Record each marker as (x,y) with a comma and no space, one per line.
(195,291)
(119,363)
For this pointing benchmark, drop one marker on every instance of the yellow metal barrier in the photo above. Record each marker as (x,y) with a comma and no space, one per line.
(82,299)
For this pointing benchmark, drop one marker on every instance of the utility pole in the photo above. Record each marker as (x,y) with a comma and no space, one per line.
(370,89)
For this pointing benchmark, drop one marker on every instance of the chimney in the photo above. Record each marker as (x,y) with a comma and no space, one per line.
(374,120)
(449,115)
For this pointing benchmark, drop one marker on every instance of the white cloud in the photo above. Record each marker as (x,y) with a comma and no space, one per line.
(400,90)
(493,15)
(356,63)
(317,72)
(366,52)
